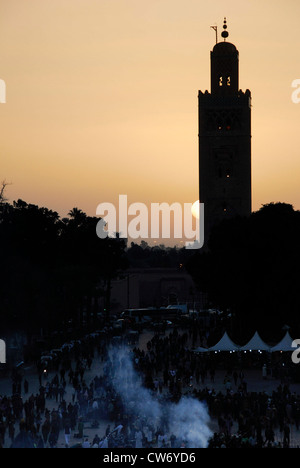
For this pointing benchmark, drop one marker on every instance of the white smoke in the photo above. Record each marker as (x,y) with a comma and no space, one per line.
(188,419)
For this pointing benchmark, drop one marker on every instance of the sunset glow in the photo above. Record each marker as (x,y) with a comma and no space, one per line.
(102,98)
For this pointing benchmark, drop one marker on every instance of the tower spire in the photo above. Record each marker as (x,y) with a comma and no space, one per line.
(225,33)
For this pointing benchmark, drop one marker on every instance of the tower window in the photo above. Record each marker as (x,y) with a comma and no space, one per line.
(221,81)
(228,82)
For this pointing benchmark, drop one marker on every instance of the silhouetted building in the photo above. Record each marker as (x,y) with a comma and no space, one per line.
(224,140)
(154,287)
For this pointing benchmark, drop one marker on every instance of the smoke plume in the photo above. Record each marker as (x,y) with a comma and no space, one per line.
(188,419)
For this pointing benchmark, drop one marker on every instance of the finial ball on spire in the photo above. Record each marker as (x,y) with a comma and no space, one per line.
(225,33)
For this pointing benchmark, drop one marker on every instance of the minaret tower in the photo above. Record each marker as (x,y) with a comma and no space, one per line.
(224,139)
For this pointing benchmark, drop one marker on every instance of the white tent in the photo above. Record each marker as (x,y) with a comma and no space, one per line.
(285,344)
(225,344)
(255,344)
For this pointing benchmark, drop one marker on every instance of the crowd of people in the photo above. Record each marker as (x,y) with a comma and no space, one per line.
(169,369)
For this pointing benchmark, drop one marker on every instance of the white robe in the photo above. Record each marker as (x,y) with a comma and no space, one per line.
(104,443)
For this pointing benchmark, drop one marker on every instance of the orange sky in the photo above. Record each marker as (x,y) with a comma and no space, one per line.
(102,97)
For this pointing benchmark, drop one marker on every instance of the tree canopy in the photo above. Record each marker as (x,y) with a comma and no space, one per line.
(251,268)
(53,269)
